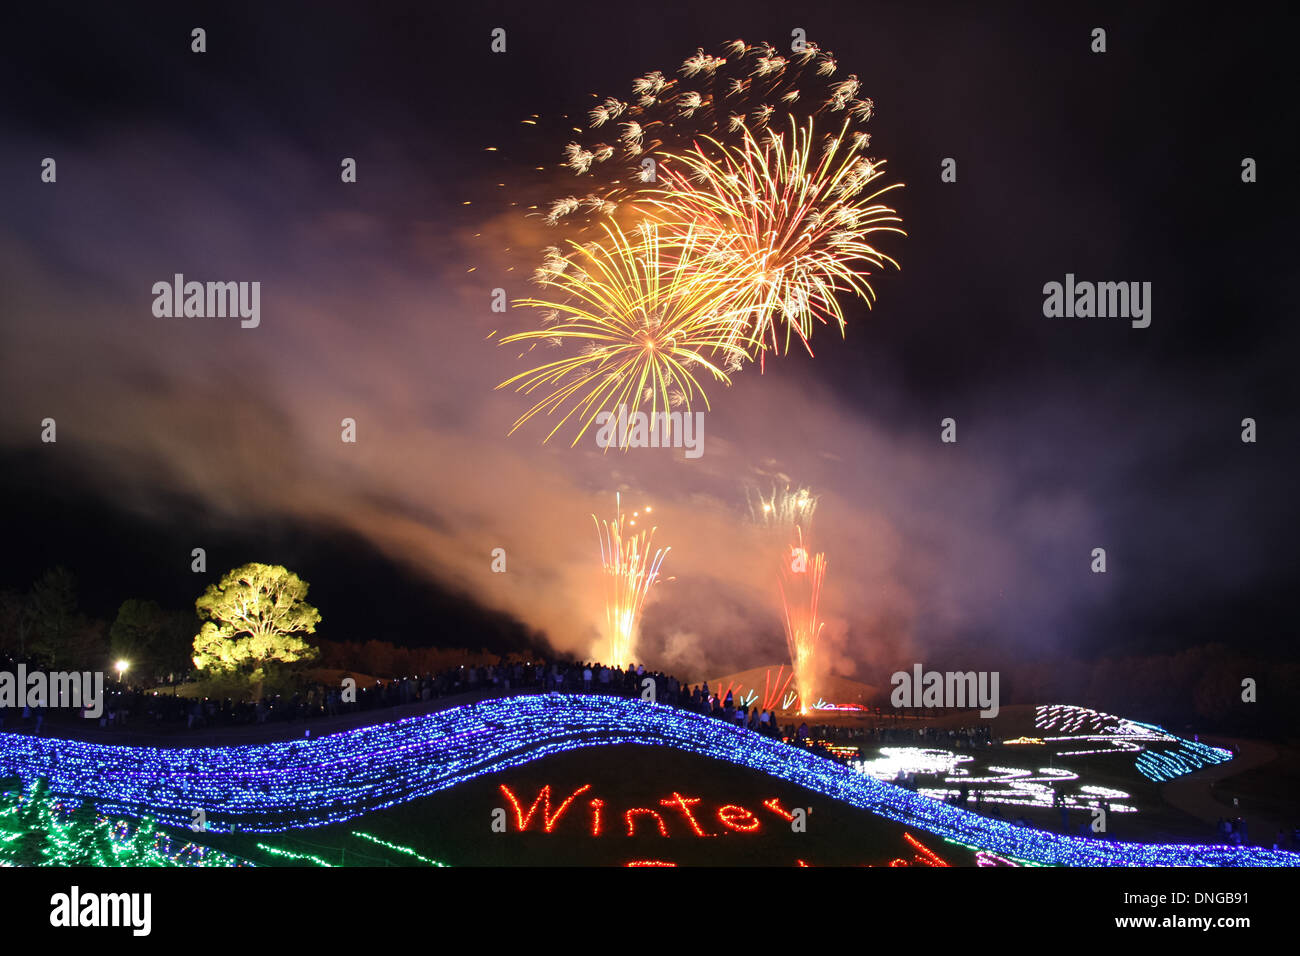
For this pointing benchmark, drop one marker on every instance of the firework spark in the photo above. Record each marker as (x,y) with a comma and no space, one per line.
(784,510)
(630,569)
(645,324)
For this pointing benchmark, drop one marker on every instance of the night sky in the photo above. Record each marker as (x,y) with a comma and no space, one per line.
(1072,433)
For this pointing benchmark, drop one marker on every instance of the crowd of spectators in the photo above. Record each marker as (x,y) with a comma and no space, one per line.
(164,710)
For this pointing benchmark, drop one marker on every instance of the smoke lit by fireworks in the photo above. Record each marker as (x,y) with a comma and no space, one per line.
(630,569)
(800,582)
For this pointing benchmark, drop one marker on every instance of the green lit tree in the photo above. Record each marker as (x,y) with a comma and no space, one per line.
(253,617)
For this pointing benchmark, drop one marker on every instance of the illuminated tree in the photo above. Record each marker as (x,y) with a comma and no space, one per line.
(253,617)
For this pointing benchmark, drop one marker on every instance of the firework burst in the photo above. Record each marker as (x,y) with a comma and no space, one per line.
(666,111)
(731,202)
(765,157)
(630,569)
(643,323)
(791,215)
(783,511)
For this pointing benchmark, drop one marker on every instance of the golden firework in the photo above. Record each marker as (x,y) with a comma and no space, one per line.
(631,569)
(784,510)
(645,323)
(789,218)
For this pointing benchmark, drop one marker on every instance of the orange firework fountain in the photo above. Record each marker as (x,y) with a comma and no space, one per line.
(786,514)
(800,581)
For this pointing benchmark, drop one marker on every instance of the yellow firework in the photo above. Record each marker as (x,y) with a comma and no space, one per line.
(644,321)
(630,569)
(790,215)
(784,510)
(800,582)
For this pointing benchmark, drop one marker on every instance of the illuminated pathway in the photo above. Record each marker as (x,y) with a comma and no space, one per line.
(280,786)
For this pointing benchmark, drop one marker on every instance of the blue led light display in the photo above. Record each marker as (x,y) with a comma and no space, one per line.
(308,783)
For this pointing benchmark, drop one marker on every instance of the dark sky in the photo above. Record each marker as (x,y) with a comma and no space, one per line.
(1073,433)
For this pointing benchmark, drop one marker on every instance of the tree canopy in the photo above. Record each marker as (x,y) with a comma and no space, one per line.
(252,617)
(153,640)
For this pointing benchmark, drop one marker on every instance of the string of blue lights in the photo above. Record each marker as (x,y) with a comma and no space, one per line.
(281,786)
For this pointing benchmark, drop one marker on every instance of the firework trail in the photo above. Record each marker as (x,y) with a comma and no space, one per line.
(800,583)
(774,691)
(630,569)
(643,324)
